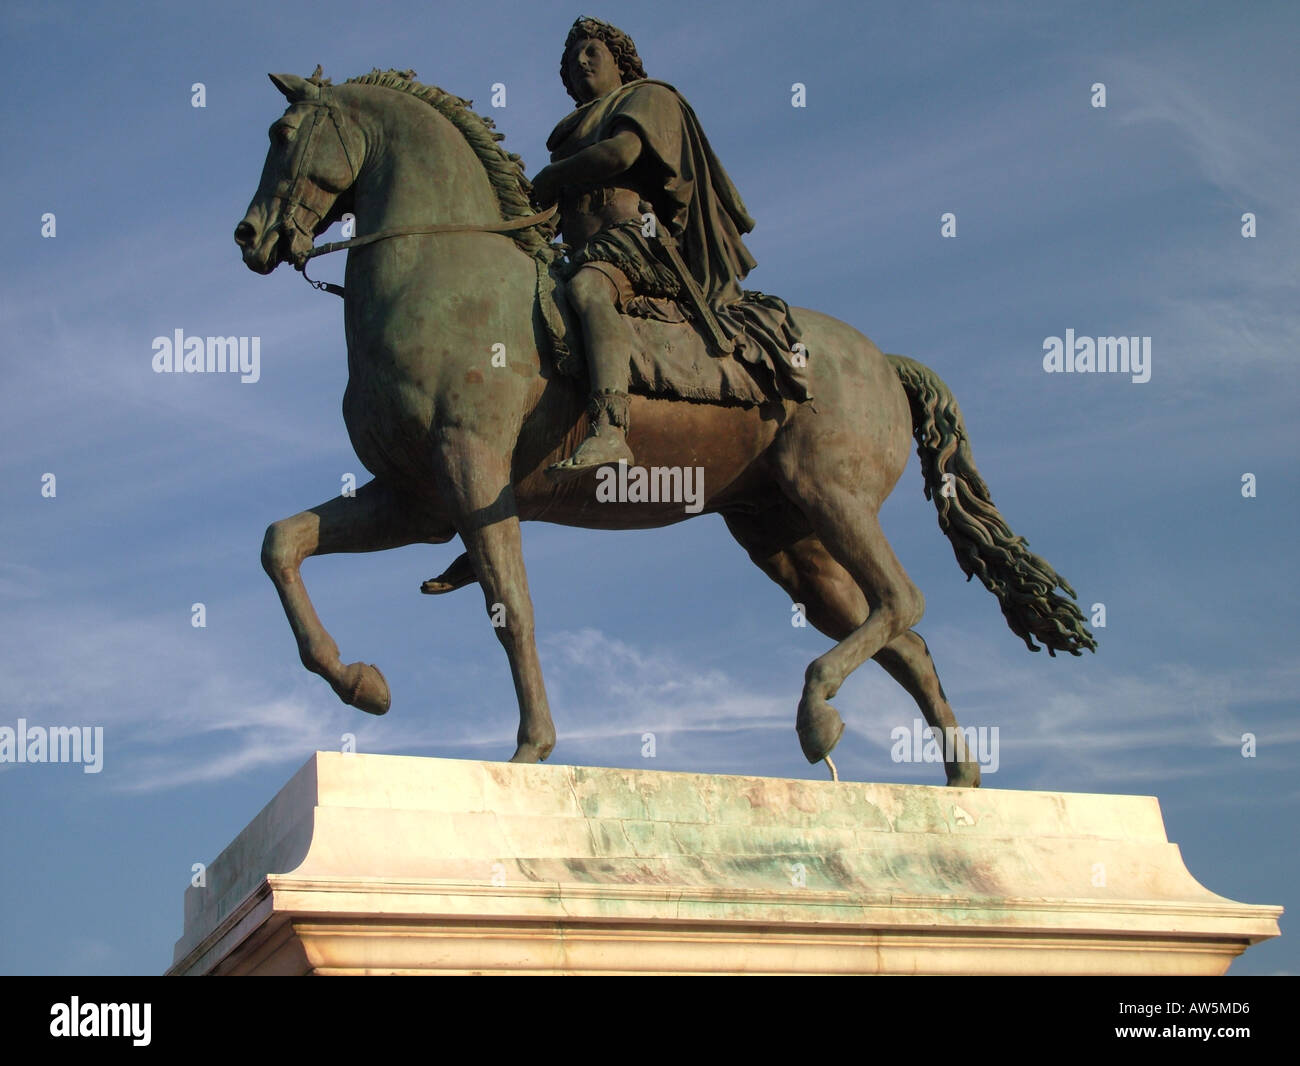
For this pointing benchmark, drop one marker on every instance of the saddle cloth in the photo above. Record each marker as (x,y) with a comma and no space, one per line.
(672,359)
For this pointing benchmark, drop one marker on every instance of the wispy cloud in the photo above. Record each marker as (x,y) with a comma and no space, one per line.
(1233,139)
(179,706)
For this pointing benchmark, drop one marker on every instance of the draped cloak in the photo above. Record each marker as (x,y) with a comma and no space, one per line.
(691,195)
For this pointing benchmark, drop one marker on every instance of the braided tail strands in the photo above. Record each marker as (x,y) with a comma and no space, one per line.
(1024,583)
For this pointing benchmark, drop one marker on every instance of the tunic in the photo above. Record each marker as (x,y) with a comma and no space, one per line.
(681,180)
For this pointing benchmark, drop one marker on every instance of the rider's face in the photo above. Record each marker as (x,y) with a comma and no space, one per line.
(593,71)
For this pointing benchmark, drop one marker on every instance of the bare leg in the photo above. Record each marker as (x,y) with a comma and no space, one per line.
(609,338)
(610,341)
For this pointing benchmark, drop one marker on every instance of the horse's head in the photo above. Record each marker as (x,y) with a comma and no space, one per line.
(309,170)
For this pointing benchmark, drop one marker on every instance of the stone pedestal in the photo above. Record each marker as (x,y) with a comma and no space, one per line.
(377,864)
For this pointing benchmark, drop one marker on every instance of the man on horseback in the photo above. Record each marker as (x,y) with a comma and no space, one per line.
(636,180)
(799,488)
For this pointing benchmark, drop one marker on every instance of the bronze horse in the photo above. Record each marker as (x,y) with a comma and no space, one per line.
(459,446)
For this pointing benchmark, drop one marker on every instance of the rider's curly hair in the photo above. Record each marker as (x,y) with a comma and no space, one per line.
(620,46)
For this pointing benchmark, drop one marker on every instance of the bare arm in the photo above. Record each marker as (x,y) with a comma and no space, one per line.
(603,160)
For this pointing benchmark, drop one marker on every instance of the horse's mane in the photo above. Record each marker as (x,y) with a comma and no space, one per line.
(505,170)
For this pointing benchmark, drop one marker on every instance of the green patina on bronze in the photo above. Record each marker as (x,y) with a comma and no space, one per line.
(455,405)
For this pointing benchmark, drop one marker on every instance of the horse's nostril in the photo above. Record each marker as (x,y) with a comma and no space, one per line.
(244,234)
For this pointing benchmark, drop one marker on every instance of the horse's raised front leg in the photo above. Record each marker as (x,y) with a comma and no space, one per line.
(375,519)
(474,479)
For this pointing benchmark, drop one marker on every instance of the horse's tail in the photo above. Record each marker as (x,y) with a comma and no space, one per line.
(1024,583)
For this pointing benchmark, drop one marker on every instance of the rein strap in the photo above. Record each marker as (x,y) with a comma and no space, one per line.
(300,262)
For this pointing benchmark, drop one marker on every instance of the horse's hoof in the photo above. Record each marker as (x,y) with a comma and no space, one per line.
(532,752)
(364,687)
(820,728)
(458,575)
(966,775)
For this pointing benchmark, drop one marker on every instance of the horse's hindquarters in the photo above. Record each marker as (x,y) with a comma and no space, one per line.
(695,457)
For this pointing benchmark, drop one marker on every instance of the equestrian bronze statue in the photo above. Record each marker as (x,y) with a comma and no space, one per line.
(497,376)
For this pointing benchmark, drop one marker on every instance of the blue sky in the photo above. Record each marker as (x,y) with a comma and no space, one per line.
(1117,221)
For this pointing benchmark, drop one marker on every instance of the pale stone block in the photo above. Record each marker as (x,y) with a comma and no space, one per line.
(390,864)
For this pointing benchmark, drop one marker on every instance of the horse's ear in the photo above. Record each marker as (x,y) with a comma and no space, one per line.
(293,87)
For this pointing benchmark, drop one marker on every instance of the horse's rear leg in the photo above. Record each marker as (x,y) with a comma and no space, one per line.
(375,519)
(894,605)
(907,660)
(835,605)
(816,478)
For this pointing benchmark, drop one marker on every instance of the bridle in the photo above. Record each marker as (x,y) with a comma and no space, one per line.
(292,196)
(293,192)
